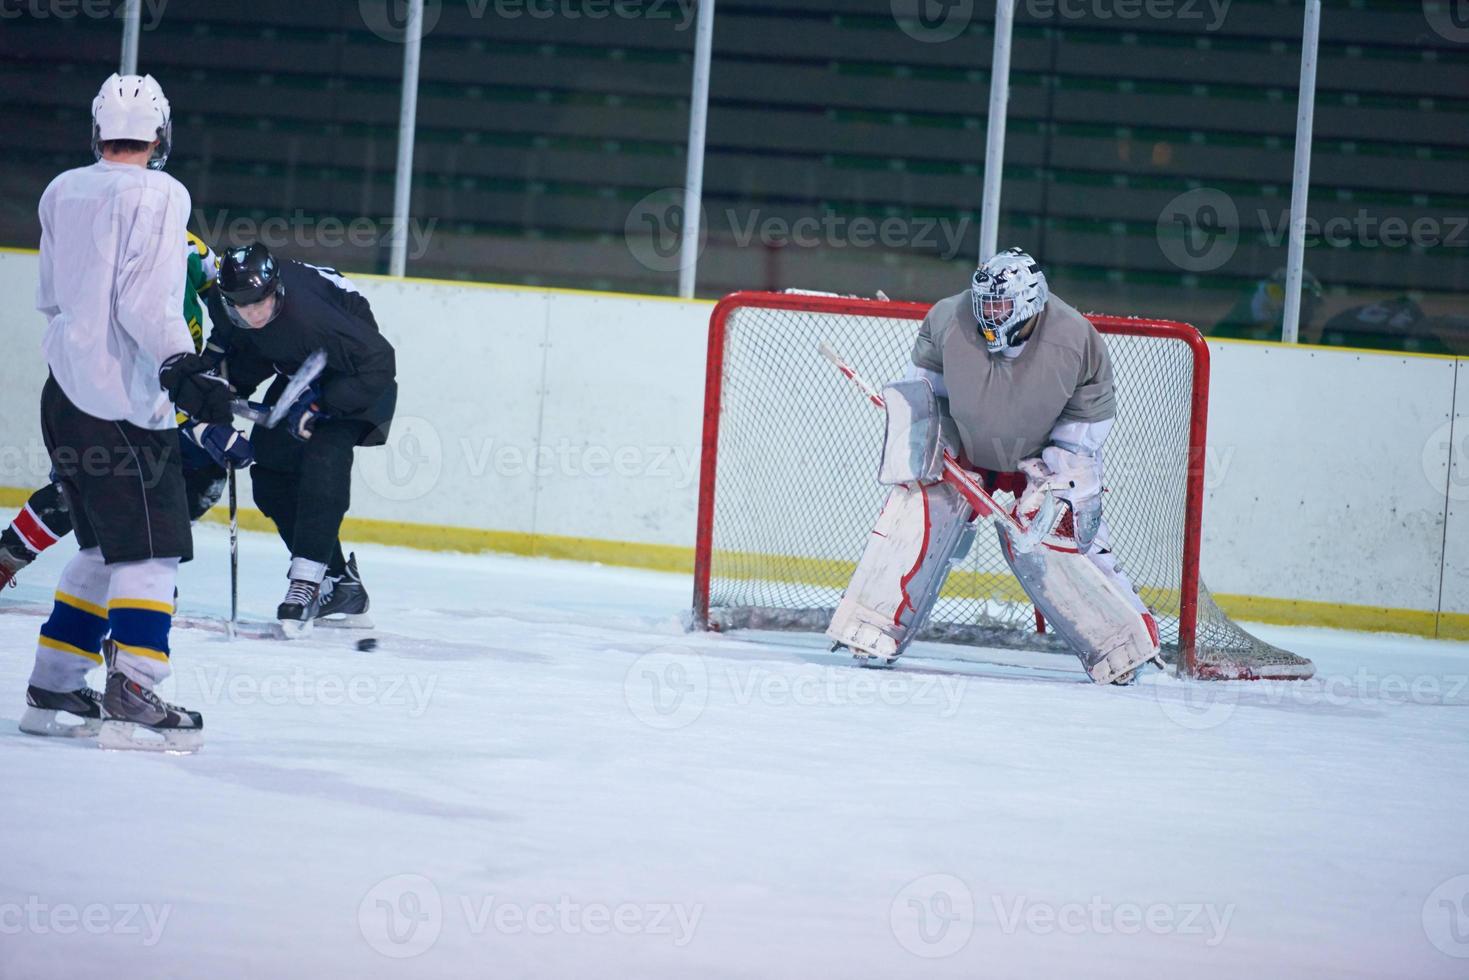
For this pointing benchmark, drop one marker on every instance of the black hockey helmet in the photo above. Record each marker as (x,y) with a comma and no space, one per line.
(248,275)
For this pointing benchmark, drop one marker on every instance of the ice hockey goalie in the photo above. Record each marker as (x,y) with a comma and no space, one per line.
(1018,385)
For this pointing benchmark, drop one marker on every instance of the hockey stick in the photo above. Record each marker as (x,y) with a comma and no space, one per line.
(1021,539)
(234,556)
(304,378)
(229,626)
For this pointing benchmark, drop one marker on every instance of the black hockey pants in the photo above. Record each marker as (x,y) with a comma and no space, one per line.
(306,487)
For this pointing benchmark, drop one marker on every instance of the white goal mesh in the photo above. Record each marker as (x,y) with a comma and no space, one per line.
(789,493)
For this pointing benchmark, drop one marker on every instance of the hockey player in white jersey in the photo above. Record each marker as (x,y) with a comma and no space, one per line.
(121,357)
(1024,395)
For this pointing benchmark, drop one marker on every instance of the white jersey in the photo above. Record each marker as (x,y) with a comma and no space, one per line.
(112,288)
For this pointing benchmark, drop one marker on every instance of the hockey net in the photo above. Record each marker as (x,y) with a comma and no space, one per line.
(788,490)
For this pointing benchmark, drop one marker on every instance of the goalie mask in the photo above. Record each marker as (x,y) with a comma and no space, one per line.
(133,107)
(1007,291)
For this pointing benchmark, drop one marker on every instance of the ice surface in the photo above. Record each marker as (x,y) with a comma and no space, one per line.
(538,773)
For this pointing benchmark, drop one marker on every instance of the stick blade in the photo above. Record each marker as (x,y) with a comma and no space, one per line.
(305,375)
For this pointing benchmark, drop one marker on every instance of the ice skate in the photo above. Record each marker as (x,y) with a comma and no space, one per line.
(45,710)
(345,602)
(13,557)
(298,610)
(138,719)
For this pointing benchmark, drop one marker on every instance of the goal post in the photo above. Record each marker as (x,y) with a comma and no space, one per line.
(788,490)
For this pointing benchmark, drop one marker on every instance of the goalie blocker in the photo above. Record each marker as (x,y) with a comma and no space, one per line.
(926,527)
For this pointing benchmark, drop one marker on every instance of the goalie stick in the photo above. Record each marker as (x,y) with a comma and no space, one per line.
(1022,539)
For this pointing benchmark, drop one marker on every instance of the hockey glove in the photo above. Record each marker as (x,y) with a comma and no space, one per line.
(302,417)
(204,397)
(223,444)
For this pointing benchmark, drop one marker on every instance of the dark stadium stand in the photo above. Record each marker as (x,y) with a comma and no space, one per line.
(536,136)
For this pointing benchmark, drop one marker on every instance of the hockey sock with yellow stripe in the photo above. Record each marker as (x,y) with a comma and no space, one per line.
(140,614)
(70,643)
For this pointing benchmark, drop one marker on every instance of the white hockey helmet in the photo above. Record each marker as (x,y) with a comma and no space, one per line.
(1007,291)
(133,107)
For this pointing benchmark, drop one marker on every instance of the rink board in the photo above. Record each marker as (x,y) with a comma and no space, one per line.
(566,423)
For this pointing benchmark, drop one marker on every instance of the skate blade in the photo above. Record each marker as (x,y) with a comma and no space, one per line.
(41,721)
(291,629)
(872,661)
(127,736)
(347,621)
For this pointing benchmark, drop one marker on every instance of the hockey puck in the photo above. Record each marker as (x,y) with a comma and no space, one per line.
(367,644)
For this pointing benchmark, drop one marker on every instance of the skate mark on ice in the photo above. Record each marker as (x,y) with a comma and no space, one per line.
(324,784)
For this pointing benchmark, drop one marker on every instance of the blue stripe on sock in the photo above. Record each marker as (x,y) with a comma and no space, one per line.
(141,628)
(75,627)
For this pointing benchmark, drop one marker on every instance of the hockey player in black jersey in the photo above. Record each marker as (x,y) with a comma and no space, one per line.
(268,317)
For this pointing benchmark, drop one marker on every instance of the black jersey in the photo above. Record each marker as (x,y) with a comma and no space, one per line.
(320,310)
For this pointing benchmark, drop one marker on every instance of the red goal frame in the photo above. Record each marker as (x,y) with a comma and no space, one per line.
(1166,329)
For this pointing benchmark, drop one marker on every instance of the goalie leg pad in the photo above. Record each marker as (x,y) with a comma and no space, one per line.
(1102,556)
(921,533)
(1104,623)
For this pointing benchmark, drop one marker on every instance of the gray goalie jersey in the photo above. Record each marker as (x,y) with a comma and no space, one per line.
(1005,407)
